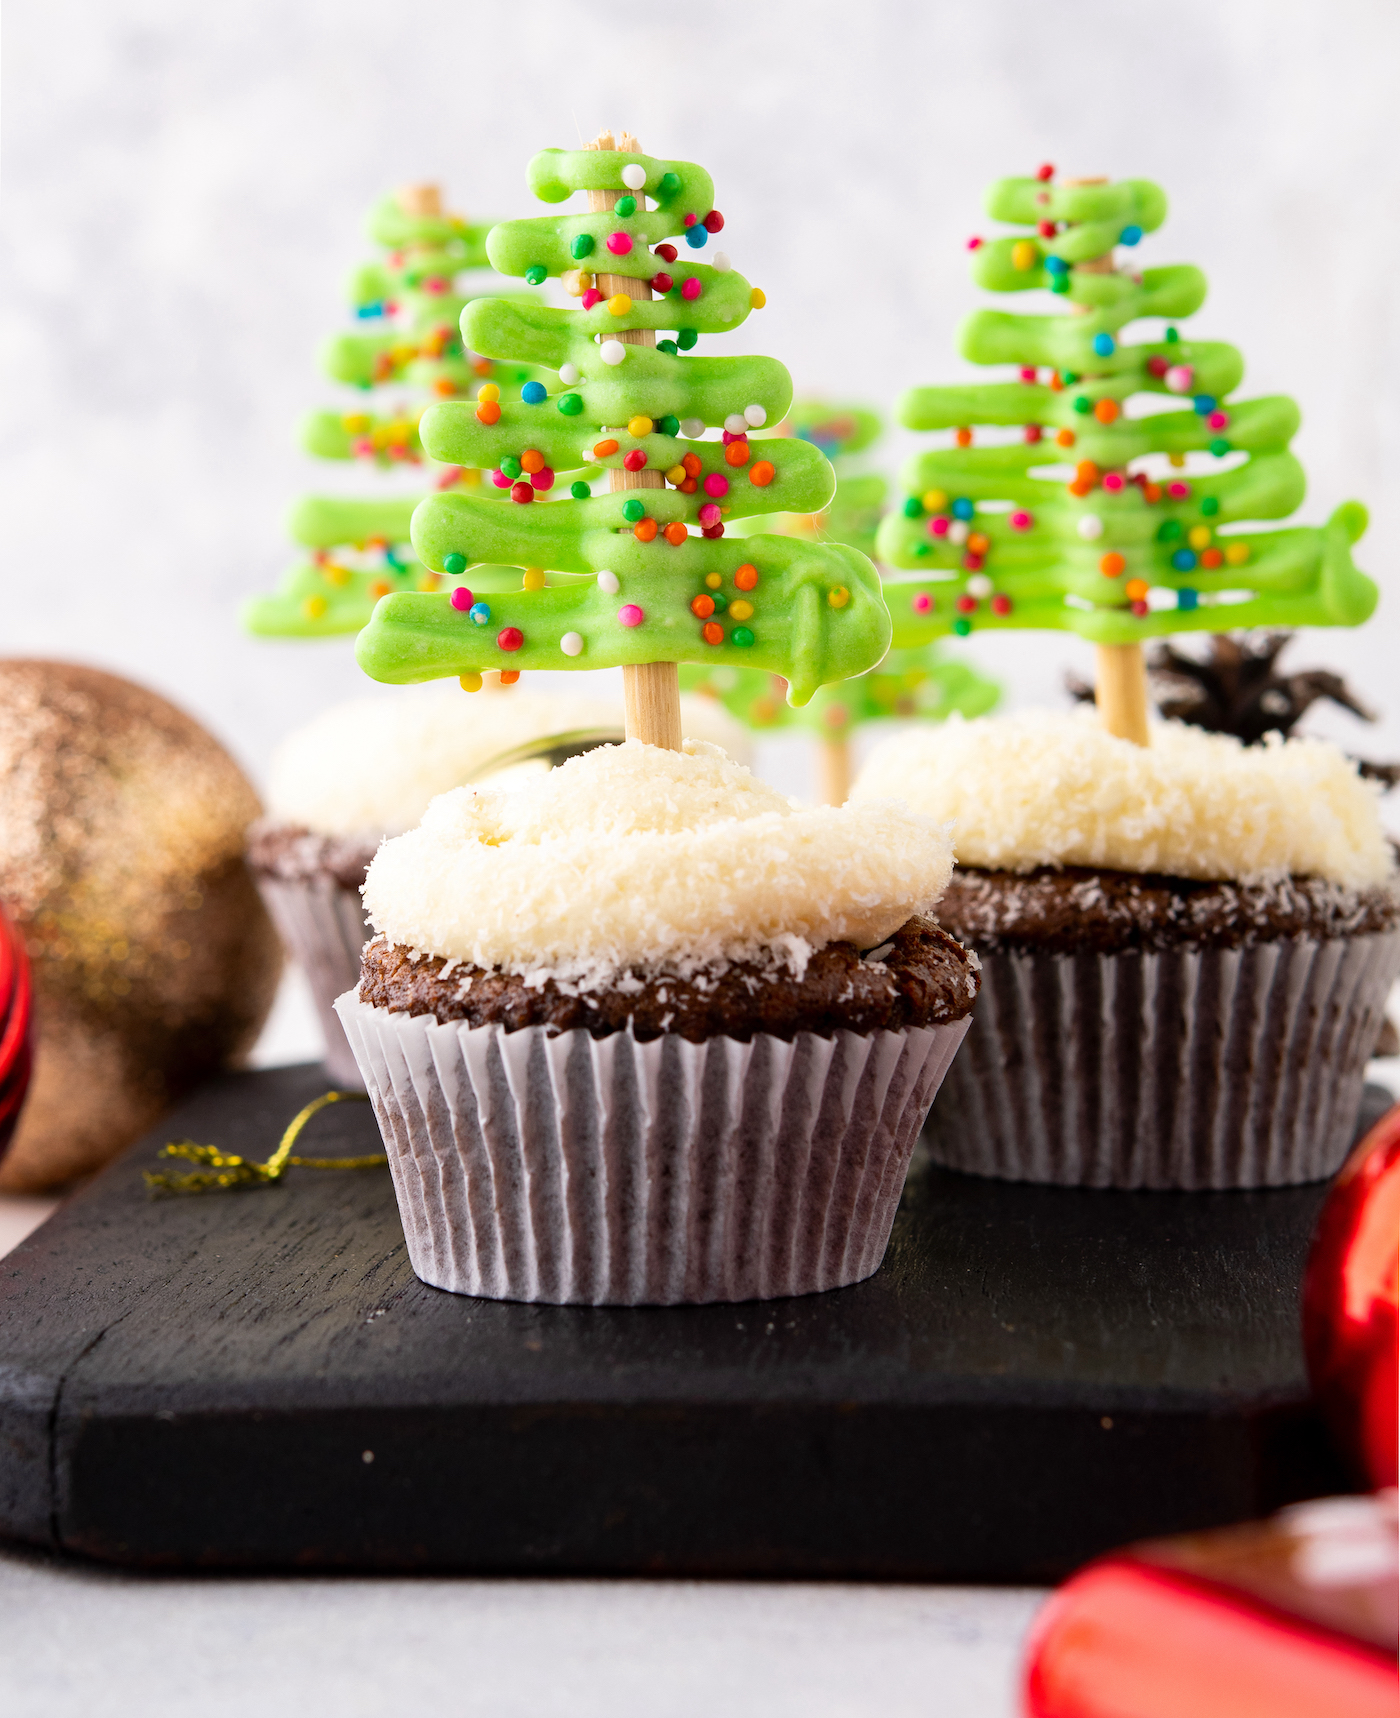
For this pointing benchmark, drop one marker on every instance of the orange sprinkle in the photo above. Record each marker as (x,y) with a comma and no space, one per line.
(1106,410)
(737,453)
(1135,589)
(978,544)
(1065,438)
(1112,564)
(712,632)
(482,366)
(702,607)
(509,676)
(445,387)
(532,460)
(746,577)
(675,532)
(645,530)
(379,588)
(1087,472)
(1078,487)
(688,487)
(601,449)
(1211,558)
(1152,492)
(763,473)
(1057,385)
(691,462)
(964,438)
(487,412)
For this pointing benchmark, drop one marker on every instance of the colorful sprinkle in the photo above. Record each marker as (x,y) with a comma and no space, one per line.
(1237,554)
(1184,560)
(645,531)
(1114,482)
(1090,527)
(922,603)
(534,393)
(571,643)
(716,483)
(480,613)
(469,682)
(758,298)
(625,206)
(1104,346)
(1179,378)
(634,176)
(571,404)
(608,582)
(838,596)
(710,514)
(1112,564)
(455,563)
(510,638)
(634,510)
(612,351)
(581,245)
(675,533)
(1021,520)
(619,304)
(522,492)
(580,490)
(630,615)
(742,637)
(536,274)
(619,243)
(635,460)
(1131,235)
(1001,604)
(1187,599)
(1106,410)
(662,282)
(487,412)
(712,632)
(746,576)
(762,473)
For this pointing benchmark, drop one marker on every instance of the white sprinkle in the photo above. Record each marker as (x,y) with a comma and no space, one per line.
(720,263)
(612,351)
(571,643)
(568,374)
(979,585)
(571,283)
(608,581)
(958,531)
(634,175)
(755,416)
(1089,527)
(736,423)
(692,426)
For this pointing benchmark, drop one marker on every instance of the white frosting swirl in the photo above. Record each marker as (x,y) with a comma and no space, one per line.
(1041,789)
(634,858)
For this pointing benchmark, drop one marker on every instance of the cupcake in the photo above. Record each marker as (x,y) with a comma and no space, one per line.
(1185,947)
(368,769)
(642,1030)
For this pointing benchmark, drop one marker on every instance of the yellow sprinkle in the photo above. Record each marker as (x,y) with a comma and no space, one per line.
(676,474)
(639,426)
(713,580)
(838,596)
(586,282)
(572,282)
(1199,536)
(469,682)
(469,475)
(619,304)
(758,298)
(934,499)
(1237,554)
(534,579)
(488,392)
(1176,459)
(428,581)
(355,424)
(335,574)
(1024,254)
(314,607)
(741,610)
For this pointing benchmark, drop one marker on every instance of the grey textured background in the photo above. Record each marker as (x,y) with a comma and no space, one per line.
(184,187)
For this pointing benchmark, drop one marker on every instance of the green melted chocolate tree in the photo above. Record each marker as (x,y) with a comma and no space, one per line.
(1108,516)
(659,581)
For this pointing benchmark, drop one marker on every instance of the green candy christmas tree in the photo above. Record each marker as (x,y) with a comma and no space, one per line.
(408,305)
(1117,525)
(656,583)
(912,684)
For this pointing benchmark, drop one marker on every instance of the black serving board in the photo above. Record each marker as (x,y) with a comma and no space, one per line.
(259,1380)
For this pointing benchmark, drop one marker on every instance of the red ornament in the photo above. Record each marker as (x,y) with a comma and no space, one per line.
(16,1034)
(510,638)
(1045,172)
(1350,1321)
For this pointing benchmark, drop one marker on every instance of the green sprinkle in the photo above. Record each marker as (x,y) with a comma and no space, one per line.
(670,184)
(686,338)
(571,404)
(913,507)
(1069,377)
(625,206)
(510,467)
(632,511)
(1082,403)
(962,626)
(1210,506)
(669,425)
(741,636)
(923,548)
(454,563)
(581,246)
(1220,447)
(1169,530)
(580,491)
(721,602)
(1172,337)
(668,346)
(1059,283)
(536,273)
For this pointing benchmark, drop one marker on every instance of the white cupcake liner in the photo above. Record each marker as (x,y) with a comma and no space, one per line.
(607,1172)
(1188,1068)
(322,924)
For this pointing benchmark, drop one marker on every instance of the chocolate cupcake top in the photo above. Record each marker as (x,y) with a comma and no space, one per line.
(633,860)
(1035,790)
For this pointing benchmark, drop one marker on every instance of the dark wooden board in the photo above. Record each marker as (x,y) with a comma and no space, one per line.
(1033,1376)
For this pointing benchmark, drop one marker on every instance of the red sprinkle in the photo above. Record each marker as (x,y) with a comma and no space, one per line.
(1045,172)
(1032,433)
(690,220)
(661,282)
(1046,229)
(1157,366)
(666,252)
(1001,603)
(634,461)
(510,638)
(966,604)
(522,492)
(974,244)
(714,221)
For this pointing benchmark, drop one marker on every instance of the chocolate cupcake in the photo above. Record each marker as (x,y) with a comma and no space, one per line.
(366,770)
(1185,948)
(644,1031)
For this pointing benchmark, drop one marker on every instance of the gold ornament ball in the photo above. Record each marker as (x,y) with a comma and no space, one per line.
(121,862)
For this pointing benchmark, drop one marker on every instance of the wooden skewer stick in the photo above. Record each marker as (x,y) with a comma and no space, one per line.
(651,691)
(834,771)
(421,199)
(1120,677)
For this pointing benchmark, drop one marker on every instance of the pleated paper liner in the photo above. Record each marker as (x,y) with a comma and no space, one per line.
(1188,1068)
(608,1172)
(322,924)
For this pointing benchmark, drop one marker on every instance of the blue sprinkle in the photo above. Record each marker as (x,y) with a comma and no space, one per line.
(1184,560)
(481,614)
(533,393)
(1103,346)
(963,508)
(1130,235)
(392,560)
(1187,599)
(696,236)
(1056,265)
(375,309)
(1204,405)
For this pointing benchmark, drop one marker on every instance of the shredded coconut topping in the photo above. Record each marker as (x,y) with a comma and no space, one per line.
(1042,789)
(634,858)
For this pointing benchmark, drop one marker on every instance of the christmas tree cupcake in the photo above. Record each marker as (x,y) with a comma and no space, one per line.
(921,683)
(643,1030)
(1185,941)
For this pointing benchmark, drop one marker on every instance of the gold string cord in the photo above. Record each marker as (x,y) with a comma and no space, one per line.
(229,1173)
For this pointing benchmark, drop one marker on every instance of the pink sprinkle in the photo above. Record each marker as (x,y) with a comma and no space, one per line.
(500,479)
(445,479)
(710,513)
(974,244)
(716,484)
(543,478)
(630,615)
(728,437)
(1042,197)
(1113,481)
(1027,374)
(361,446)
(690,289)
(619,244)
(922,603)
(1179,378)
(1020,521)
(689,220)
(1178,491)
(461,598)
(1218,420)
(938,525)
(591,297)
(435,283)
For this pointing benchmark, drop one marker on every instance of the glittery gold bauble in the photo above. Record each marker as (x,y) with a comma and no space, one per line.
(121,861)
